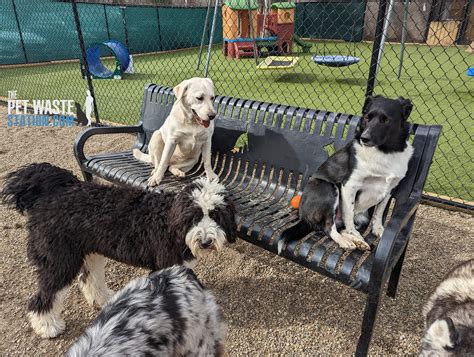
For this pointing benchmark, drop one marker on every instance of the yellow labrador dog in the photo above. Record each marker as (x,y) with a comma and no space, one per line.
(186,133)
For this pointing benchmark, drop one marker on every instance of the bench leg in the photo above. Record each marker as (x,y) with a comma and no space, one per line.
(395,276)
(397,269)
(368,324)
(87,176)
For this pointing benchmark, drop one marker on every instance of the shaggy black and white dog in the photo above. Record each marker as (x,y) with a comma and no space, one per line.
(168,313)
(73,225)
(449,315)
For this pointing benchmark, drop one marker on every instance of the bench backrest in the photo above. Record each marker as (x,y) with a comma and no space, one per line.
(294,139)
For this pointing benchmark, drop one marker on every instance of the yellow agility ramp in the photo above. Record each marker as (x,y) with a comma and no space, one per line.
(278,62)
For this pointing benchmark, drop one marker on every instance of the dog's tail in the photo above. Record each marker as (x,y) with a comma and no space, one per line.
(141,156)
(298,231)
(24,187)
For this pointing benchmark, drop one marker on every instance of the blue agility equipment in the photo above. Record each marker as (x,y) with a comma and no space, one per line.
(470,72)
(335,61)
(338,60)
(97,68)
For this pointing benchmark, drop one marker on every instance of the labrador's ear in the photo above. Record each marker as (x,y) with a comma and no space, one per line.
(407,106)
(180,90)
(210,81)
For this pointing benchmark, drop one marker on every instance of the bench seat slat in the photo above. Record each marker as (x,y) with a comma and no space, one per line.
(263,206)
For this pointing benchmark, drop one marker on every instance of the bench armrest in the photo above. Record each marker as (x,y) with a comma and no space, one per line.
(86,134)
(394,232)
(399,227)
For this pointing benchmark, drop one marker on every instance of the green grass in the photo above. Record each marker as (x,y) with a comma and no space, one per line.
(433,78)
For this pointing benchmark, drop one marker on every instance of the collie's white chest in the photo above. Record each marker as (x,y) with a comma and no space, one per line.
(376,174)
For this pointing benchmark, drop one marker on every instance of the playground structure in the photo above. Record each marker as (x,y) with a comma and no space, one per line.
(280,22)
(247,31)
(97,69)
(239,17)
(241,23)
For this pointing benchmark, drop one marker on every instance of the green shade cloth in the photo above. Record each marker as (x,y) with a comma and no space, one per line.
(331,20)
(241,4)
(283,5)
(149,29)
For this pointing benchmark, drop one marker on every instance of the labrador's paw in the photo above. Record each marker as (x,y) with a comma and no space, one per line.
(177,172)
(154,181)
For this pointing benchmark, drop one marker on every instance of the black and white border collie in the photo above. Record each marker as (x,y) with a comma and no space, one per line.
(357,177)
(73,225)
(168,313)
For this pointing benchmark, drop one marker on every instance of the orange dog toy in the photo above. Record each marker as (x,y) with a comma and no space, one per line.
(295,201)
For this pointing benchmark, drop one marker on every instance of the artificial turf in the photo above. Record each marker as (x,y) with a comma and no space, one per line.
(432,77)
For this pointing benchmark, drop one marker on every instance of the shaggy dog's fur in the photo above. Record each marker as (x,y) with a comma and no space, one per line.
(74,225)
(449,315)
(168,313)
(358,177)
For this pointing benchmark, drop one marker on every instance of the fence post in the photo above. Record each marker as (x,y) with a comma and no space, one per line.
(211,39)
(376,47)
(404,36)
(433,6)
(125,29)
(159,27)
(106,22)
(84,59)
(204,30)
(19,31)
(302,32)
(464,23)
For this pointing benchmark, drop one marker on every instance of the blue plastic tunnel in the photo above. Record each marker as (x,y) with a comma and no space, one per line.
(97,68)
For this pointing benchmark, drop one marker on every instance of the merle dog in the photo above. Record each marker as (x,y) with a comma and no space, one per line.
(168,313)
(449,315)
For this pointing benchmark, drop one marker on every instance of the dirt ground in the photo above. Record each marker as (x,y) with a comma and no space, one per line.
(273,307)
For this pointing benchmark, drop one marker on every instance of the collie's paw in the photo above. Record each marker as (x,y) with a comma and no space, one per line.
(377,230)
(346,243)
(362,245)
(177,172)
(356,239)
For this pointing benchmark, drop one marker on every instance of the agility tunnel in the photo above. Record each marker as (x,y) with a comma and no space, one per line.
(97,69)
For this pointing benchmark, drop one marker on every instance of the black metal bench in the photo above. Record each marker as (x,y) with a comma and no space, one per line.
(285,146)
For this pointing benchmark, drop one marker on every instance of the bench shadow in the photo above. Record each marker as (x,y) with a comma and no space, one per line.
(296,78)
(137,76)
(280,302)
(361,82)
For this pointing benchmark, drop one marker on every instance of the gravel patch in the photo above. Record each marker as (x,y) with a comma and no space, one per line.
(273,307)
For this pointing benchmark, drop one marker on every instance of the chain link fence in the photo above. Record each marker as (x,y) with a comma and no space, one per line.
(317,54)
